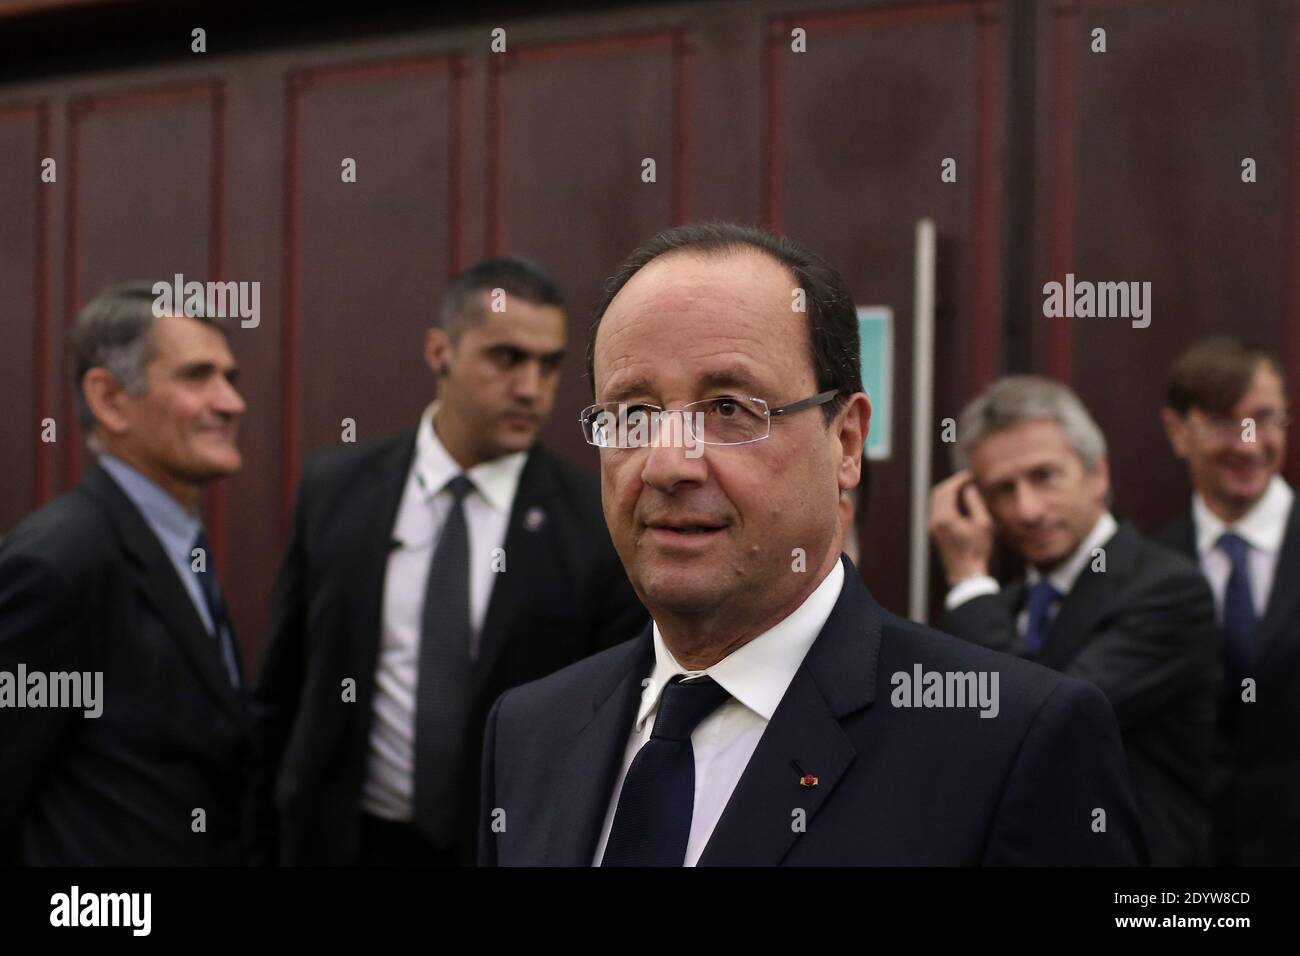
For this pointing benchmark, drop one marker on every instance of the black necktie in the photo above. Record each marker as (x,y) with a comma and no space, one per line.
(653,821)
(443,677)
(222,632)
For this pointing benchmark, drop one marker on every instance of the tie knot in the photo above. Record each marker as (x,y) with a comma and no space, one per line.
(460,486)
(684,704)
(1042,593)
(1233,545)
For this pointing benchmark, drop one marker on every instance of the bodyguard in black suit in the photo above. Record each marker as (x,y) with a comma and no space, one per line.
(1226,417)
(425,574)
(112,582)
(1100,603)
(773,713)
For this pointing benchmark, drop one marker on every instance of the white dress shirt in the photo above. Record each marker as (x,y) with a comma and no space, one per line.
(389,780)
(756,676)
(1063,577)
(1262,527)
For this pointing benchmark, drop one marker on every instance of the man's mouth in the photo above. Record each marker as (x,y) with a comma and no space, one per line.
(685,529)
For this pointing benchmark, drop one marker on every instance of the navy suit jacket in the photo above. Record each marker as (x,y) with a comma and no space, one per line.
(895,785)
(1256,781)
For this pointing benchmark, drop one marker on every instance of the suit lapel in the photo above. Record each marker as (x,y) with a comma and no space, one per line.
(1181,536)
(527,557)
(157,584)
(1090,599)
(372,518)
(586,778)
(1284,595)
(837,678)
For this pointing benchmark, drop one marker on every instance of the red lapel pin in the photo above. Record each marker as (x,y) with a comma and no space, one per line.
(807,780)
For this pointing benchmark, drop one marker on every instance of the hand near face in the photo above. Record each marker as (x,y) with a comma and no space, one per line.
(961,527)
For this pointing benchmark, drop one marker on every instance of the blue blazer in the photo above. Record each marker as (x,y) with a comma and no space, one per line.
(1042,782)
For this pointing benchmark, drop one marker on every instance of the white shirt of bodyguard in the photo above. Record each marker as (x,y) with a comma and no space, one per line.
(1262,527)
(390,767)
(756,676)
(1063,578)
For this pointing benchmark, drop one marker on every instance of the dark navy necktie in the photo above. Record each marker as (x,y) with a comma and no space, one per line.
(1041,598)
(653,820)
(222,632)
(1239,619)
(443,674)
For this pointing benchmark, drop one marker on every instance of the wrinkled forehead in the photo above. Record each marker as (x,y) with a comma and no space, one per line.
(687,322)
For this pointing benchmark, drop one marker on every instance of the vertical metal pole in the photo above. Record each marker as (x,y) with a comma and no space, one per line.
(922,419)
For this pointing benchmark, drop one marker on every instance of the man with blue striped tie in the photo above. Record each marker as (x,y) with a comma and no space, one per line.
(1225,415)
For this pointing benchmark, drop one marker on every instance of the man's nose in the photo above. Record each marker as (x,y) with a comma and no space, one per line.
(528,379)
(1029,504)
(228,400)
(674,458)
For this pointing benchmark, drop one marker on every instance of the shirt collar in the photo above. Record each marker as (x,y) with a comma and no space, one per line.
(757,673)
(176,528)
(1067,573)
(496,480)
(1262,527)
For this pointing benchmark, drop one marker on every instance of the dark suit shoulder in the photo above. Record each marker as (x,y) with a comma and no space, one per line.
(1023,685)
(578,489)
(1178,535)
(1169,579)
(69,534)
(331,466)
(556,694)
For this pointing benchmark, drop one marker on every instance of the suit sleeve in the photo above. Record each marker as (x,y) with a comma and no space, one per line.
(1067,800)
(47,625)
(1160,647)
(278,689)
(487,839)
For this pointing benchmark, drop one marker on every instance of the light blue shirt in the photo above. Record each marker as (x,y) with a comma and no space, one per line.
(175,528)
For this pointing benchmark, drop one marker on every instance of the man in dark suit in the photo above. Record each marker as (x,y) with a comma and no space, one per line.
(773,713)
(113,584)
(1226,416)
(1098,603)
(425,574)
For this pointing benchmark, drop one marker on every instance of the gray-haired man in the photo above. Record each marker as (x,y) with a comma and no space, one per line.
(107,594)
(1098,601)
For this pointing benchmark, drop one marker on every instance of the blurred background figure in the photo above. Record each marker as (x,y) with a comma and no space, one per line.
(1226,417)
(117,578)
(435,569)
(1098,601)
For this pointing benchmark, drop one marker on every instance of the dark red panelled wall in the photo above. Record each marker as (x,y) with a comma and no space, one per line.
(1123,165)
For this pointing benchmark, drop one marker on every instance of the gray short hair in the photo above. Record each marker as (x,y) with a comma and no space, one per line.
(1023,398)
(114,331)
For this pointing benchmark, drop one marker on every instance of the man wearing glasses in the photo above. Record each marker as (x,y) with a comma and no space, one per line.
(1226,416)
(768,714)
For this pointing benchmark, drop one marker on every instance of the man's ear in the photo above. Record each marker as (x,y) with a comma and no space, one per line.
(853,426)
(437,351)
(1175,430)
(107,400)
(1100,474)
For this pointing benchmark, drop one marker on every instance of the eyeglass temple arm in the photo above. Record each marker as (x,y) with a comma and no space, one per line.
(800,405)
